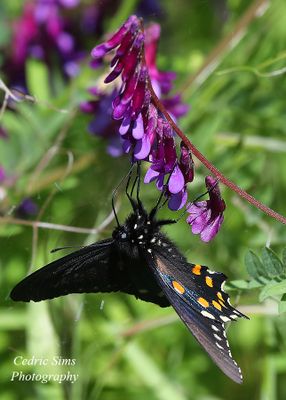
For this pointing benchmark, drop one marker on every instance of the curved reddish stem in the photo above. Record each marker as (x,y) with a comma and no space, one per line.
(211,167)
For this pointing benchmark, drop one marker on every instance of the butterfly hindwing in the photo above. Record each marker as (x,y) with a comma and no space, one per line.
(203,308)
(210,334)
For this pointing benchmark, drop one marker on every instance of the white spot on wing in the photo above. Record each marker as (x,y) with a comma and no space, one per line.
(215,328)
(207,314)
(217,337)
(224,318)
(218,345)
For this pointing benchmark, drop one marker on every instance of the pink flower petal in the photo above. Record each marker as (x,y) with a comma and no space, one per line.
(119,111)
(151,175)
(177,181)
(142,148)
(212,229)
(138,130)
(124,126)
(178,200)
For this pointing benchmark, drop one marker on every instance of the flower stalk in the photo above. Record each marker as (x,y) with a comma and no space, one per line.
(215,171)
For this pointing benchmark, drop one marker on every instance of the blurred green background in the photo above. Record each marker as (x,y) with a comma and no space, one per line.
(230,59)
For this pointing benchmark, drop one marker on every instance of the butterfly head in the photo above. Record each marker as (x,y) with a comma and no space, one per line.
(138,230)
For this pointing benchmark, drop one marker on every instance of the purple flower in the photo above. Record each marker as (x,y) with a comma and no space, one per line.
(186,175)
(102,124)
(26,208)
(132,127)
(206,217)
(47,32)
(143,130)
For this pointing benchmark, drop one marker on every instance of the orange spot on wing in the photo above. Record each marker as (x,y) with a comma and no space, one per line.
(197,269)
(219,295)
(220,299)
(178,287)
(216,305)
(203,302)
(209,281)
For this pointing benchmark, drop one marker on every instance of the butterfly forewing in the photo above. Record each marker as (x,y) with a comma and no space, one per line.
(100,267)
(87,270)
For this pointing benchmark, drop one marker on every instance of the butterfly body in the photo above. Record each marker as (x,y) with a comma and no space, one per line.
(140,260)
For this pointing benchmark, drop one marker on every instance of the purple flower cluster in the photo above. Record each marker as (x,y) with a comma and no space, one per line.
(101,106)
(144,130)
(39,33)
(102,124)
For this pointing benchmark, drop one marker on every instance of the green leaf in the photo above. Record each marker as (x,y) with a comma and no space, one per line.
(237,284)
(273,289)
(282,304)
(38,79)
(254,265)
(271,262)
(242,284)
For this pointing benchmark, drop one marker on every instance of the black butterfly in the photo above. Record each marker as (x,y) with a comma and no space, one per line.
(140,260)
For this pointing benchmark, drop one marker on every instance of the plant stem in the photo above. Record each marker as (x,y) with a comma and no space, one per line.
(242,193)
(58,227)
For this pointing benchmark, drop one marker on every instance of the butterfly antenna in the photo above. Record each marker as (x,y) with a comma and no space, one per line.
(139,185)
(175,220)
(163,192)
(65,247)
(114,192)
(129,195)
(137,181)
